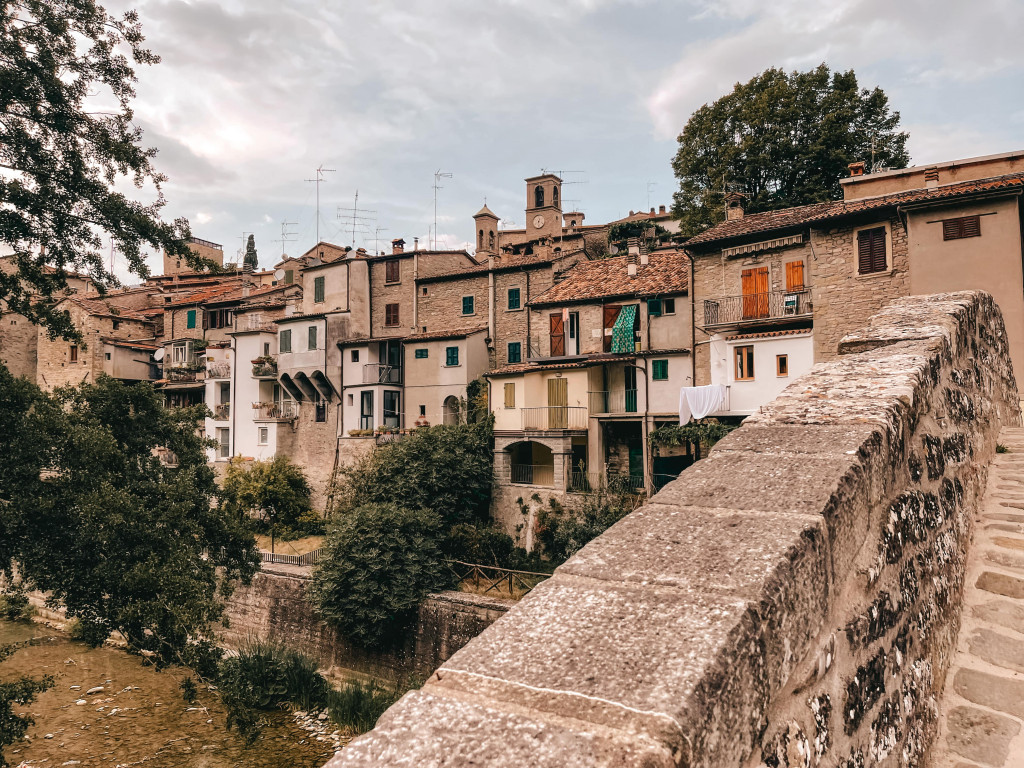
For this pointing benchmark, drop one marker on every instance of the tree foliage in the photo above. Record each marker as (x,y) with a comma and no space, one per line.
(67,137)
(705,432)
(782,139)
(381,560)
(563,530)
(274,492)
(89,513)
(447,468)
(18,692)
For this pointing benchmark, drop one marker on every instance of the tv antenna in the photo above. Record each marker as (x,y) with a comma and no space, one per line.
(286,236)
(319,178)
(355,217)
(241,251)
(438,175)
(376,237)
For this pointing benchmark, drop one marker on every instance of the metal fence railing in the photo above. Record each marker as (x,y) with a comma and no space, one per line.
(751,307)
(486,579)
(533,474)
(219,370)
(614,401)
(588,482)
(308,559)
(377,373)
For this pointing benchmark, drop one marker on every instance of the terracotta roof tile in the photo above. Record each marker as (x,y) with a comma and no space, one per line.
(506,262)
(108,309)
(769,334)
(666,273)
(455,333)
(535,367)
(806,214)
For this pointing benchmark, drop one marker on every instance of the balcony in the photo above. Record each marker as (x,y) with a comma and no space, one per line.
(284,410)
(264,367)
(554,417)
(376,373)
(222,412)
(183,373)
(757,308)
(533,474)
(588,482)
(613,402)
(219,370)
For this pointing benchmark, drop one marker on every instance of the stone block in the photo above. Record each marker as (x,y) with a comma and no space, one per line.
(1001,650)
(999,693)
(1003,612)
(980,735)
(1001,584)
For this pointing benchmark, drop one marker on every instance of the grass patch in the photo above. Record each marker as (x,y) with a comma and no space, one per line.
(357,706)
(1000,448)
(296,547)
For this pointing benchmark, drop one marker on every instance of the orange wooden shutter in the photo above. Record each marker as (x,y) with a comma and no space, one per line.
(611,314)
(754,282)
(557,335)
(795,276)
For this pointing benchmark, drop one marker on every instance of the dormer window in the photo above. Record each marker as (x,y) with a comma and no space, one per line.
(538,196)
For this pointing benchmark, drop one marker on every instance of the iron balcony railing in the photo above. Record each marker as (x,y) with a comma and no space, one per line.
(283,410)
(222,412)
(757,307)
(533,474)
(554,417)
(588,482)
(219,370)
(615,401)
(377,373)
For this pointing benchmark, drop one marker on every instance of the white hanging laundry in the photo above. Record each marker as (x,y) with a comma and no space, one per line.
(698,402)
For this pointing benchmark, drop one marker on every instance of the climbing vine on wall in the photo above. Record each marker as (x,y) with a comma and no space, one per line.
(705,432)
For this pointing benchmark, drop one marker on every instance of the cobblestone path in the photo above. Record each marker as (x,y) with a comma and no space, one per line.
(981,713)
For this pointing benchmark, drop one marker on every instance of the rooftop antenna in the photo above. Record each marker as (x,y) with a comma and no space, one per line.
(286,236)
(319,177)
(376,237)
(355,217)
(438,175)
(241,251)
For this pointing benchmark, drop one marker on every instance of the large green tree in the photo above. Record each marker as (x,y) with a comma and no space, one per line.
(782,139)
(67,139)
(90,514)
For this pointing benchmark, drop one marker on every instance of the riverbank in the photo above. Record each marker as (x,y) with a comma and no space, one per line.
(138,717)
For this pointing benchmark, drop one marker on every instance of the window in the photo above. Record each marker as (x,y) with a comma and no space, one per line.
(659,370)
(965,226)
(312,337)
(390,314)
(391,409)
(117,323)
(225,392)
(321,410)
(318,289)
(654,307)
(744,363)
(782,365)
(190,321)
(871,251)
(263,436)
(223,443)
(355,355)
(513,298)
(289,276)
(795,276)
(284,343)
(668,307)
(217,318)
(366,409)
(422,354)
(467,305)
(107,355)
(74,353)
(510,395)
(424,290)
(423,410)
(515,352)
(538,196)
(392,271)
(181,353)
(351,399)
(451,356)
(266,348)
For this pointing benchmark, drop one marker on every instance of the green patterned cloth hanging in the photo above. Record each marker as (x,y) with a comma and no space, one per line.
(622,331)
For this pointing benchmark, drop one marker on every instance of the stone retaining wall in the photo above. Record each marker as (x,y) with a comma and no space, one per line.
(274,607)
(792,600)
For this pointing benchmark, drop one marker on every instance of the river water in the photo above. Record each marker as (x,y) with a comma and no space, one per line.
(140,717)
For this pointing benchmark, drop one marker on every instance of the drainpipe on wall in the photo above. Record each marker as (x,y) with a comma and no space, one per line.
(693,326)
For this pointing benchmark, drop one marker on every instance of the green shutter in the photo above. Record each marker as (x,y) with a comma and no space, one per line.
(654,307)
(467,305)
(513,298)
(312,337)
(515,352)
(285,343)
(451,356)
(659,370)
(421,354)
(191,318)
(318,289)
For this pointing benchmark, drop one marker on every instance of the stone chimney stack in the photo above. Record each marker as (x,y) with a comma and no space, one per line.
(398,245)
(661,209)
(734,206)
(856,169)
(415,243)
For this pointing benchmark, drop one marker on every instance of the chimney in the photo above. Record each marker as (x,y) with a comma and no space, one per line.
(856,169)
(661,209)
(398,245)
(631,269)
(734,206)
(633,244)
(415,243)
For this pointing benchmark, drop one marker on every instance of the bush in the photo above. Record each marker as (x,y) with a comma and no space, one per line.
(275,493)
(446,468)
(380,561)
(357,706)
(563,531)
(14,606)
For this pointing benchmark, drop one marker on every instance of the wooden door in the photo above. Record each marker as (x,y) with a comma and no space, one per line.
(611,314)
(755,293)
(558,403)
(557,335)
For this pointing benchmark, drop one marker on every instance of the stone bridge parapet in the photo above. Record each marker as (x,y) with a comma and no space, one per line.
(792,600)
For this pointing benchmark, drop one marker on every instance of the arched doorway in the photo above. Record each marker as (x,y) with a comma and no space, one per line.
(531,463)
(452,410)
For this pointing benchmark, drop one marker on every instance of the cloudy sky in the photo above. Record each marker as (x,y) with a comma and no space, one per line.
(253,95)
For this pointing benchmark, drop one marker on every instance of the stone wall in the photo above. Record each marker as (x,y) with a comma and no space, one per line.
(791,600)
(441,308)
(274,607)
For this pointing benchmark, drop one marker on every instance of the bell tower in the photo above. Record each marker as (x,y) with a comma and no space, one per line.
(486,232)
(544,206)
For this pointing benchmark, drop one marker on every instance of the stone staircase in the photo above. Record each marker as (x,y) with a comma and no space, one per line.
(981,713)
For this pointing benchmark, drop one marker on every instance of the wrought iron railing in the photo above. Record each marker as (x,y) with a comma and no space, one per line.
(753,307)
(182,373)
(277,411)
(588,482)
(265,368)
(615,401)
(222,412)
(488,579)
(219,370)
(310,558)
(533,474)
(554,417)
(376,373)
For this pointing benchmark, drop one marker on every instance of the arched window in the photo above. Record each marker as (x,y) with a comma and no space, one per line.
(538,196)
(554,196)
(452,410)
(480,239)
(490,239)
(531,463)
